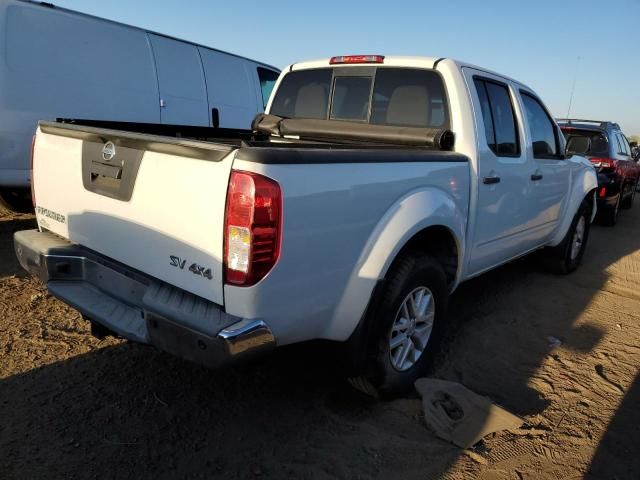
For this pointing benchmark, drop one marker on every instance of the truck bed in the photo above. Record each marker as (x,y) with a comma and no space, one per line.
(158,206)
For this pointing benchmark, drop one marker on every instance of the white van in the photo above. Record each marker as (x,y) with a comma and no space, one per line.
(57,63)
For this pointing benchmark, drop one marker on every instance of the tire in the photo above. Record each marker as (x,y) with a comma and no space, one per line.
(17,200)
(627,203)
(413,277)
(566,257)
(609,215)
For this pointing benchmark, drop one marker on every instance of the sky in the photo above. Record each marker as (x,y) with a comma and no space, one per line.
(547,45)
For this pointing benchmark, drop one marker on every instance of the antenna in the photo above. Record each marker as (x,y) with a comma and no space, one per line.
(573,87)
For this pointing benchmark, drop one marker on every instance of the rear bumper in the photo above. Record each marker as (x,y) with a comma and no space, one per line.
(138,307)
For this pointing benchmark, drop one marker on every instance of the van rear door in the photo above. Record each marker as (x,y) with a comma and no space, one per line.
(183,92)
(231,88)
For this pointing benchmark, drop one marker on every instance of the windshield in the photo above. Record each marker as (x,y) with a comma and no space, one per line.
(380,96)
(586,142)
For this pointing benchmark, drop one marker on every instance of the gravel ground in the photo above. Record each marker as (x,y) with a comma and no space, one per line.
(72,406)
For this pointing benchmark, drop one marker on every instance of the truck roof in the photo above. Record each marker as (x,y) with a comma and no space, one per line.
(75,12)
(403,61)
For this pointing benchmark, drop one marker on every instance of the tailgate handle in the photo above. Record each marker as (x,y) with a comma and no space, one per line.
(102,170)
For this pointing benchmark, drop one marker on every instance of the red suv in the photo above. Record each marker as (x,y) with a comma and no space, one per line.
(608,149)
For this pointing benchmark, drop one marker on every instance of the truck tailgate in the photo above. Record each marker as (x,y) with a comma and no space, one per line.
(153,203)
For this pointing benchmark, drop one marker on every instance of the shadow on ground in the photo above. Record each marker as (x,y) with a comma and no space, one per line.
(128,411)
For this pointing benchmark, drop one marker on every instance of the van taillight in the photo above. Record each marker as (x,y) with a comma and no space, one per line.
(252,228)
(33,189)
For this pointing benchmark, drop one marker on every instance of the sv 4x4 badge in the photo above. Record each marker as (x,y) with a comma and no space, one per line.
(193,268)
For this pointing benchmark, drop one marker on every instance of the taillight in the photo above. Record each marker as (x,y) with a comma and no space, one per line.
(603,192)
(603,163)
(350,59)
(33,189)
(252,228)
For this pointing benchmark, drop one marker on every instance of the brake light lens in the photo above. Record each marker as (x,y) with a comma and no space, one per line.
(33,189)
(253,228)
(603,192)
(352,59)
(603,163)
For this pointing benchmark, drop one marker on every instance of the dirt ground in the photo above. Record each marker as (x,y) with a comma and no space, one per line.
(75,407)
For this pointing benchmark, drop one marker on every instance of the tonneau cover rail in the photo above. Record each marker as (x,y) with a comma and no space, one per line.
(202,150)
(332,129)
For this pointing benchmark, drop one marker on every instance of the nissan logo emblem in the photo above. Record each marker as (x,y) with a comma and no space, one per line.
(108,151)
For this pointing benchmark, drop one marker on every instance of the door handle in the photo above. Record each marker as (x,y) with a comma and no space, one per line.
(215,118)
(536,176)
(491,180)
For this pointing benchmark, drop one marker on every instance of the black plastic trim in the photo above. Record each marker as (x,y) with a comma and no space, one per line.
(142,141)
(516,124)
(114,178)
(338,154)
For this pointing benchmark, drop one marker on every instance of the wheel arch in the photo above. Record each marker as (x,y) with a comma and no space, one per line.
(438,241)
(430,220)
(585,185)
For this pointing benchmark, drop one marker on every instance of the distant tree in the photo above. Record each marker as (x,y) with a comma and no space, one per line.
(634,139)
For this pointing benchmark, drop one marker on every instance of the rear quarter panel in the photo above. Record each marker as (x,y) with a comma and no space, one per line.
(342,226)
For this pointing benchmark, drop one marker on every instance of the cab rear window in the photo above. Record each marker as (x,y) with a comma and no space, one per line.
(380,96)
(586,142)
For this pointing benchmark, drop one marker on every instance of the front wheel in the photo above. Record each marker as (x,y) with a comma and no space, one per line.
(566,257)
(406,326)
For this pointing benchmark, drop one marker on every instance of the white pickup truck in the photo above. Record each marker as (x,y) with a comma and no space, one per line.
(369,190)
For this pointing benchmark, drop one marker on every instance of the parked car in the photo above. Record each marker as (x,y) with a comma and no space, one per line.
(56,63)
(372,188)
(608,149)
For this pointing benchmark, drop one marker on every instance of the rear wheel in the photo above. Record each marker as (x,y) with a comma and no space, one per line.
(566,257)
(406,327)
(609,215)
(627,203)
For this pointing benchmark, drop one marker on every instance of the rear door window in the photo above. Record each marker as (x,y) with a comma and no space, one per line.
(499,118)
(486,114)
(541,127)
(624,145)
(619,147)
(268,80)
